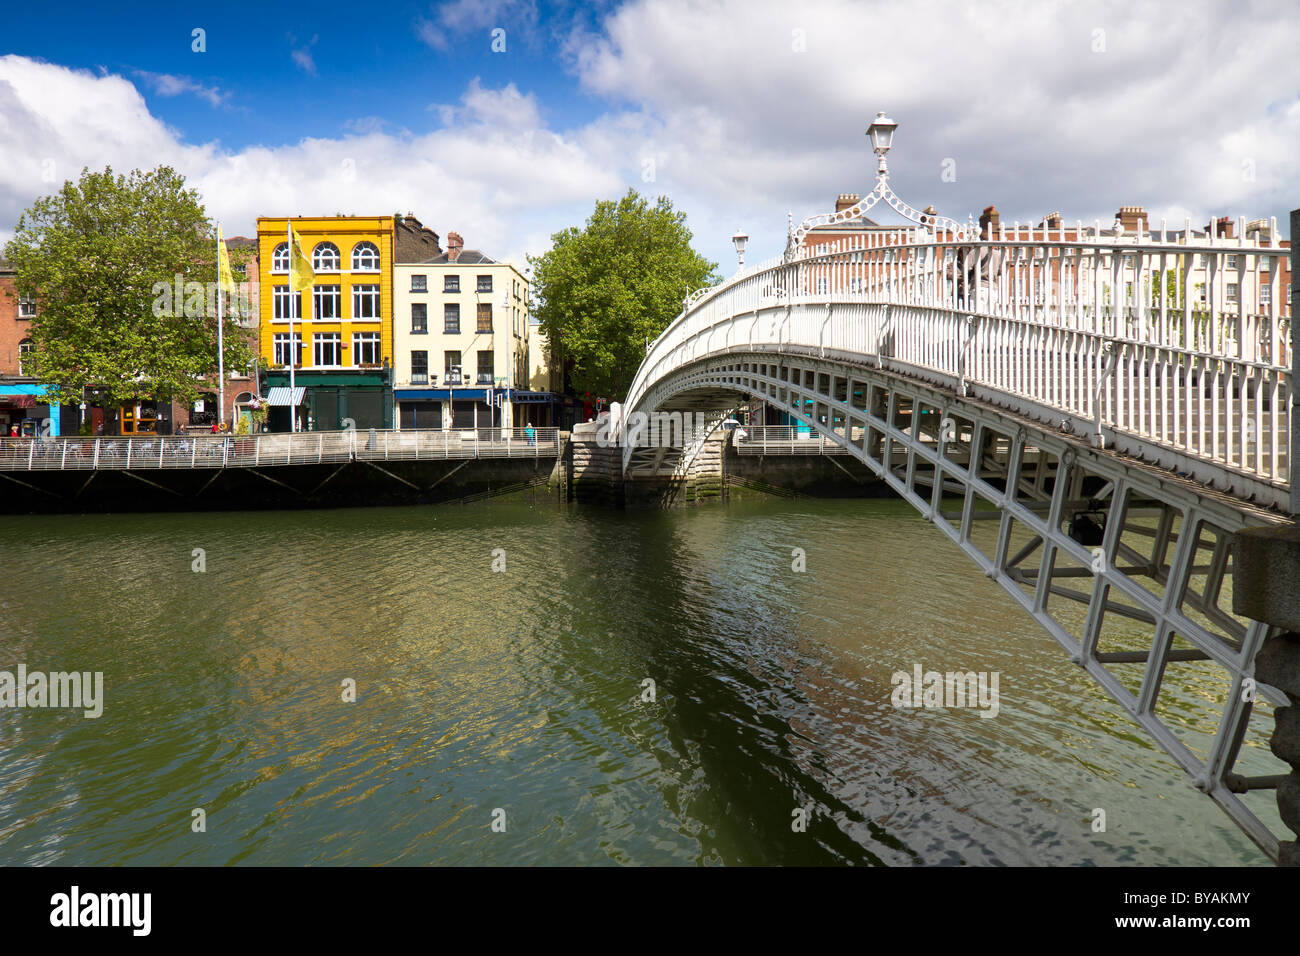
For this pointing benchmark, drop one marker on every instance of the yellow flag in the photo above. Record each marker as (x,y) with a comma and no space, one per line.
(225,278)
(301,274)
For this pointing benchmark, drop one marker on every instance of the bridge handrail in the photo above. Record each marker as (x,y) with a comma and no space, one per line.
(138,452)
(1139,293)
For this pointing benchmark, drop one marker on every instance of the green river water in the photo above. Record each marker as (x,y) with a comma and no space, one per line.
(520,691)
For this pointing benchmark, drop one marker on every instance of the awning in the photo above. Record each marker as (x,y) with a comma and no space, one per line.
(280,395)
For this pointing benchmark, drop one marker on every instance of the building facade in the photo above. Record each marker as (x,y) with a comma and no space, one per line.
(461,333)
(338,334)
(23,410)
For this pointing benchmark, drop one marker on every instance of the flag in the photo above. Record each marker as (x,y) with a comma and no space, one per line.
(225,278)
(301,274)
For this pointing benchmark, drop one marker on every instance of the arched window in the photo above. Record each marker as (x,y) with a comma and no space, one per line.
(365,257)
(325,257)
(280,258)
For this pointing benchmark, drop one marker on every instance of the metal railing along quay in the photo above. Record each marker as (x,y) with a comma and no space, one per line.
(786,440)
(253,451)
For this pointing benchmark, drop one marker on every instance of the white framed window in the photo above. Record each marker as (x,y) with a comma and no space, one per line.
(365,302)
(285,304)
(1232,262)
(327,348)
(1234,292)
(327,302)
(280,258)
(365,348)
(283,352)
(24,349)
(1265,294)
(26,306)
(325,257)
(420,368)
(365,257)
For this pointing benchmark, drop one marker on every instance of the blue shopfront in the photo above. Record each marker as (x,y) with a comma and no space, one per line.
(470,407)
(25,409)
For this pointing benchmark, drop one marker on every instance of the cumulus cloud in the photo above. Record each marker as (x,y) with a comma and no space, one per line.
(742,110)
(760,106)
(495,174)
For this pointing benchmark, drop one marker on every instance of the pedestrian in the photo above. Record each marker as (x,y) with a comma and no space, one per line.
(529,432)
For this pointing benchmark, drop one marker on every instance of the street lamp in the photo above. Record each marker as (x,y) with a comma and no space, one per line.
(740,240)
(882,137)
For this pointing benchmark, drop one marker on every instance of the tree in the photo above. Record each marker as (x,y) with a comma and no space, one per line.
(104,258)
(604,290)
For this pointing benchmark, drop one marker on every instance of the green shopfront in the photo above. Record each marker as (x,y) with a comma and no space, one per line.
(324,401)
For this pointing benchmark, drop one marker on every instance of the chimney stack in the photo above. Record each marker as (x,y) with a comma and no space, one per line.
(1221,228)
(846,200)
(989,217)
(1053,220)
(454,245)
(1132,218)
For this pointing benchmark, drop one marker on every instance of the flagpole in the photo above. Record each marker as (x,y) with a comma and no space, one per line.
(221,347)
(293,351)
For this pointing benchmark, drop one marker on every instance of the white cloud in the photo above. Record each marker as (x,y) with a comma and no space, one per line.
(495,173)
(456,21)
(738,126)
(1182,96)
(166,84)
(302,56)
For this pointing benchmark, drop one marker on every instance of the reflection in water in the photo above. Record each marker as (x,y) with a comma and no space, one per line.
(523,691)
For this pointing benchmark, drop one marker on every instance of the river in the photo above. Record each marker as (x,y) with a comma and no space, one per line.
(504,717)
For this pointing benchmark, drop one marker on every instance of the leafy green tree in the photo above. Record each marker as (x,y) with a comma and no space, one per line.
(602,291)
(103,256)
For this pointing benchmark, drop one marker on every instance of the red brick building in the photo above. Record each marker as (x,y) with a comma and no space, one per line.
(20,407)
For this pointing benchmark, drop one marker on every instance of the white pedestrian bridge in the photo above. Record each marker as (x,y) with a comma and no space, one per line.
(1090,414)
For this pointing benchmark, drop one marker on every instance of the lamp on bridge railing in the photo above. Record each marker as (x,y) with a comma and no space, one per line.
(740,240)
(882,137)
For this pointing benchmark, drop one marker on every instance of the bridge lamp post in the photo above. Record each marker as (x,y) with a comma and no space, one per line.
(740,240)
(881,133)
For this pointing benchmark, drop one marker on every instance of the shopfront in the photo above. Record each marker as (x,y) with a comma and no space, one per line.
(329,401)
(25,410)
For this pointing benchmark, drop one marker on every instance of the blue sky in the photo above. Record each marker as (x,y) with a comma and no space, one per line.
(376,65)
(741,111)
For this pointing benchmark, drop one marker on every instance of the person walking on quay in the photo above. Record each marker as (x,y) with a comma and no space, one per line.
(529,432)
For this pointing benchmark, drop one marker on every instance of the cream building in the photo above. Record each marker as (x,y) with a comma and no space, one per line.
(461,334)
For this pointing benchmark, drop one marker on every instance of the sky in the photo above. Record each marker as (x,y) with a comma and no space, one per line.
(506,120)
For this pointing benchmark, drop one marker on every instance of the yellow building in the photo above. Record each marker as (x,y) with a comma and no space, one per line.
(338,335)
